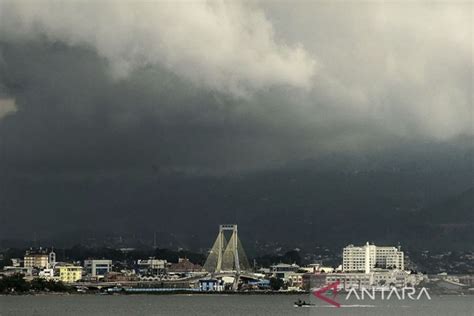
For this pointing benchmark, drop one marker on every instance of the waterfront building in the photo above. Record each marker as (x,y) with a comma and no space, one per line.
(207,285)
(283,270)
(378,278)
(184,266)
(313,281)
(316,268)
(39,259)
(367,257)
(121,276)
(36,259)
(12,270)
(264,271)
(97,268)
(295,279)
(260,284)
(151,266)
(350,280)
(70,273)
(16,262)
(467,279)
(47,274)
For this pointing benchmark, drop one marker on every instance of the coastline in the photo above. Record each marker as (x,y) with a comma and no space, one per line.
(203,293)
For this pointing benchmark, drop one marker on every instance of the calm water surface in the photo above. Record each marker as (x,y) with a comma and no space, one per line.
(223,305)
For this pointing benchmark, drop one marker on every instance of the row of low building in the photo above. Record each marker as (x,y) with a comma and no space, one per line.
(42,263)
(306,278)
(304,281)
(362,266)
(367,266)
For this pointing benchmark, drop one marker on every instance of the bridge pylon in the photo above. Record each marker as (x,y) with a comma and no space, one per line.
(227,256)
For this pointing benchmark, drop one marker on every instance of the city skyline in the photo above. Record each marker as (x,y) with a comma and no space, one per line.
(328,144)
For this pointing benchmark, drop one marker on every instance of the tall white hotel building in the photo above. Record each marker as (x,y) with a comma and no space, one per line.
(368,257)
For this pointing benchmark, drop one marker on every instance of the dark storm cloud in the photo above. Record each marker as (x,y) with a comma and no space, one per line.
(105,107)
(190,86)
(201,41)
(71,114)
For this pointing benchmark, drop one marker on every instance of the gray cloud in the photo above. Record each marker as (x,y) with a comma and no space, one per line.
(7,106)
(362,107)
(226,46)
(386,74)
(407,65)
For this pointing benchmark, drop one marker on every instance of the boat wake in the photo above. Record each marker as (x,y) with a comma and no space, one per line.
(342,306)
(357,305)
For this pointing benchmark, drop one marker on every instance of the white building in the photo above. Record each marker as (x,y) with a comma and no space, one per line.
(366,258)
(378,278)
(151,266)
(211,285)
(47,274)
(295,279)
(97,268)
(284,270)
(317,268)
(350,280)
(11,270)
(16,262)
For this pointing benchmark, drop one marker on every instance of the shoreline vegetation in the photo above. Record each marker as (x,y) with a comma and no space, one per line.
(191,293)
(15,285)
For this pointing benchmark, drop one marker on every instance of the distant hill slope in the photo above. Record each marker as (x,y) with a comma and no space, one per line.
(446,225)
(423,201)
(458,209)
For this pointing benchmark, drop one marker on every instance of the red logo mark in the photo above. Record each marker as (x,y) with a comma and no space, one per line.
(320,293)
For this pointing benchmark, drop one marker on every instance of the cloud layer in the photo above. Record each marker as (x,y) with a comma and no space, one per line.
(112,108)
(386,74)
(406,65)
(7,106)
(221,45)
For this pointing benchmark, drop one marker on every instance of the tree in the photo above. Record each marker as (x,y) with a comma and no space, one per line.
(14,282)
(276,284)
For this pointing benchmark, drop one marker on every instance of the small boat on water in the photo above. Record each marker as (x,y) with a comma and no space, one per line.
(300,303)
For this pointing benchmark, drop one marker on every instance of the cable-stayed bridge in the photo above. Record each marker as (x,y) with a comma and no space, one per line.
(227,256)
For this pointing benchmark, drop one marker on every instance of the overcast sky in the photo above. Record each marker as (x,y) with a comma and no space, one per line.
(198,81)
(103,87)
